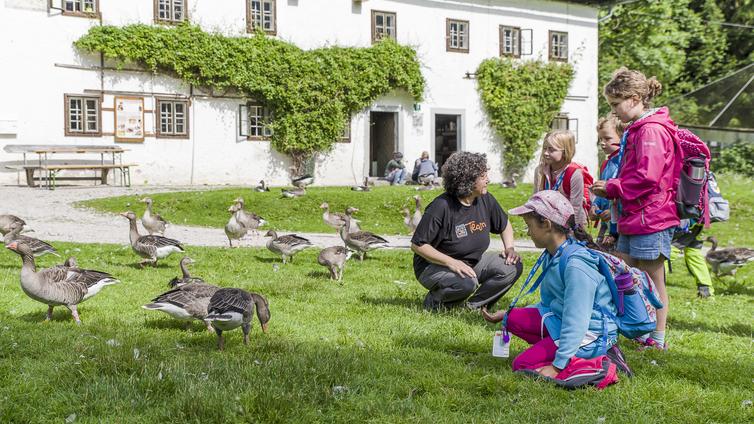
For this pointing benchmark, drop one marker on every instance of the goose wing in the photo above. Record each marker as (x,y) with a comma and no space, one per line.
(159,241)
(159,218)
(367,237)
(176,297)
(293,240)
(199,289)
(37,246)
(230,300)
(64,285)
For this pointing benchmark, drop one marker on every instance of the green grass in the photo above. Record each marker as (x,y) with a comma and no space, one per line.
(379,209)
(361,351)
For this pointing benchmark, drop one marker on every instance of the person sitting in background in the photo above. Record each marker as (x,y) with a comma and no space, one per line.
(425,171)
(395,170)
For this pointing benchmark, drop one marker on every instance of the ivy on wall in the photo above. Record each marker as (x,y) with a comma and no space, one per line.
(521,99)
(312,93)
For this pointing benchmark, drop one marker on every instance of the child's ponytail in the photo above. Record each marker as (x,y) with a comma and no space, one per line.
(627,83)
(654,88)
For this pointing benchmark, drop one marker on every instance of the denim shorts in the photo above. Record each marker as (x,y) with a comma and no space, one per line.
(646,247)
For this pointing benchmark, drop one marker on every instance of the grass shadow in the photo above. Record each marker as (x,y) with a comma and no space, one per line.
(268,260)
(738,329)
(411,304)
(168,323)
(322,275)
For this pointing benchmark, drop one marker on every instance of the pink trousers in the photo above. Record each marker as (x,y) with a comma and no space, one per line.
(526,323)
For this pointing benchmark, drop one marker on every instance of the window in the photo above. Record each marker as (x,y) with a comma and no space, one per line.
(261,14)
(457,36)
(87,8)
(510,41)
(253,121)
(170,11)
(383,25)
(345,136)
(559,46)
(173,118)
(82,116)
(563,122)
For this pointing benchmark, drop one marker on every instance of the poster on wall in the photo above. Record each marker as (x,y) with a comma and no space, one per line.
(129,119)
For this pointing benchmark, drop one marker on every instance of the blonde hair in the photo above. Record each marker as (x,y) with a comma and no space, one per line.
(560,139)
(425,155)
(610,118)
(627,83)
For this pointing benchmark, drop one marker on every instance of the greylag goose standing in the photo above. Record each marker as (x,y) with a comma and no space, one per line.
(364,187)
(727,261)
(59,285)
(152,222)
(186,302)
(250,220)
(286,245)
(360,241)
(150,247)
(185,277)
(335,219)
(232,308)
(301,181)
(38,247)
(262,187)
(294,192)
(234,229)
(7,220)
(334,258)
(510,183)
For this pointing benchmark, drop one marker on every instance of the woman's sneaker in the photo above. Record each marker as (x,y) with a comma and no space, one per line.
(650,343)
(616,355)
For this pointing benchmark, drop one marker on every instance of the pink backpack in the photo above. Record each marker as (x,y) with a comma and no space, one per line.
(692,201)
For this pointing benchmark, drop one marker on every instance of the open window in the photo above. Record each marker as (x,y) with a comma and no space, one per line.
(253,121)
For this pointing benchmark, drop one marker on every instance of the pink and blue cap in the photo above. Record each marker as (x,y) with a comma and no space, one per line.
(548,203)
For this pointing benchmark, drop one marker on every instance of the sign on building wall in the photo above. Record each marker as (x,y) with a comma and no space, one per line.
(129,119)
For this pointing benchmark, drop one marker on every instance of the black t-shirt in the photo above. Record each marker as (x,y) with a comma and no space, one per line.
(459,231)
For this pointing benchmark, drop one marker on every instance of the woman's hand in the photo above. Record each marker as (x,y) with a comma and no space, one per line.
(494,318)
(598,188)
(460,268)
(548,371)
(511,256)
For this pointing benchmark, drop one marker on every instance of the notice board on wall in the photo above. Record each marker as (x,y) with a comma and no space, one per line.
(129,119)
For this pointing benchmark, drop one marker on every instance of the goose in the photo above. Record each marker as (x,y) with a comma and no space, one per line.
(364,187)
(38,247)
(187,302)
(231,308)
(59,285)
(150,247)
(262,187)
(301,181)
(295,192)
(510,183)
(287,245)
(417,217)
(337,220)
(7,220)
(153,223)
(334,258)
(727,261)
(361,241)
(186,277)
(234,229)
(250,220)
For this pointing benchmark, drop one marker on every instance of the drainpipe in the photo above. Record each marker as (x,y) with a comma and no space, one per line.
(193,131)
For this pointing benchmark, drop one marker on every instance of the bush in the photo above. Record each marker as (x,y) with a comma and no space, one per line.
(736,158)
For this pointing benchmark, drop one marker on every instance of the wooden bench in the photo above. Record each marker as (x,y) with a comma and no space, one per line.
(52,170)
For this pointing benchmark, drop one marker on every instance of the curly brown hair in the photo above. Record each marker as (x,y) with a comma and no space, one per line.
(627,83)
(460,171)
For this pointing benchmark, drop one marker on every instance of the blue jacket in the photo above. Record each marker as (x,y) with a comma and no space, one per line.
(570,309)
(609,170)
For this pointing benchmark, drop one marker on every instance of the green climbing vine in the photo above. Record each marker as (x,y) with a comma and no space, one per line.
(521,99)
(312,93)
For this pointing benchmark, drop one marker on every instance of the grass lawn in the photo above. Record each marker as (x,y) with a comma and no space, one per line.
(356,352)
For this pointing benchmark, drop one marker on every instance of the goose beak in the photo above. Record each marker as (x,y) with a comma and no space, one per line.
(12,246)
(124,214)
(264,327)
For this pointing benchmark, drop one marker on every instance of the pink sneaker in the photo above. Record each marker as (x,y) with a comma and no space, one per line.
(650,343)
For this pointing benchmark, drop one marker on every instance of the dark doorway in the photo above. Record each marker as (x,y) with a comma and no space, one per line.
(383,140)
(446,137)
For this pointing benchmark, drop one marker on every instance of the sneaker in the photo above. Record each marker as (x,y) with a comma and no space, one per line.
(703,292)
(616,355)
(650,343)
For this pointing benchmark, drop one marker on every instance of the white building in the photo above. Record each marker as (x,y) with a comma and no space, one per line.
(52,93)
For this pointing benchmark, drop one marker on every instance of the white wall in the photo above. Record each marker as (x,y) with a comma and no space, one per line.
(34,39)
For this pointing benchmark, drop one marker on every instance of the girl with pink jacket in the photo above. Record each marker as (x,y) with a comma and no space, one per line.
(645,187)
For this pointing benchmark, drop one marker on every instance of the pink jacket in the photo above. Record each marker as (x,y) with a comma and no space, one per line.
(647,181)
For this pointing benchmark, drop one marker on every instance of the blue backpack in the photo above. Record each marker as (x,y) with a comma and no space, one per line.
(633,292)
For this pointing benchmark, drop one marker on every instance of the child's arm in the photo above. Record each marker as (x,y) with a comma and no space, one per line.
(653,150)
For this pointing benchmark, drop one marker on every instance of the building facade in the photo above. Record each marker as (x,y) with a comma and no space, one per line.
(53,93)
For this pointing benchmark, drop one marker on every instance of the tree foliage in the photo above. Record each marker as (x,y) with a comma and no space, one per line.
(312,93)
(521,99)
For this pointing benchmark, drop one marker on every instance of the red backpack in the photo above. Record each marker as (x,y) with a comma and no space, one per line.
(692,201)
(588,181)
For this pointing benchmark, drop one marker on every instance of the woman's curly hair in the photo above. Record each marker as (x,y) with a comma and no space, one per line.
(460,172)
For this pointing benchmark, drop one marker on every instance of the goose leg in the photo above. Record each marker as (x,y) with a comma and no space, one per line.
(246,329)
(340,273)
(75,313)
(220,340)
(49,313)
(209,326)
(230,242)
(285,259)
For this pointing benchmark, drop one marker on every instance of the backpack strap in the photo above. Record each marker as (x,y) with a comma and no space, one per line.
(568,173)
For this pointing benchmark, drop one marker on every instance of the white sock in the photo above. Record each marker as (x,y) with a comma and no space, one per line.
(659,337)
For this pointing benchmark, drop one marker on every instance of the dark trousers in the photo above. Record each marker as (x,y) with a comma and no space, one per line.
(448,289)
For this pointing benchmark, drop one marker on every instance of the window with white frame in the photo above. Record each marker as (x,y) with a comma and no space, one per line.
(254,120)
(170,11)
(82,116)
(457,36)
(559,46)
(261,14)
(383,25)
(345,136)
(80,7)
(172,118)
(510,41)
(563,122)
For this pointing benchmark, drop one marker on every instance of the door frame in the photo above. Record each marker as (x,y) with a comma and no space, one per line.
(396,111)
(461,132)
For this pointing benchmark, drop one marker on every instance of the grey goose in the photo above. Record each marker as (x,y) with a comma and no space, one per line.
(286,245)
(230,308)
(250,220)
(235,229)
(335,219)
(7,220)
(185,277)
(364,187)
(59,285)
(727,261)
(262,187)
(334,259)
(152,222)
(38,247)
(360,241)
(185,302)
(150,247)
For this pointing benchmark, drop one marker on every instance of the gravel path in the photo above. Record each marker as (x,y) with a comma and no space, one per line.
(53,217)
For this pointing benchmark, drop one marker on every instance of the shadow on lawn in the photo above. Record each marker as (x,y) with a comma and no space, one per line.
(408,303)
(737,329)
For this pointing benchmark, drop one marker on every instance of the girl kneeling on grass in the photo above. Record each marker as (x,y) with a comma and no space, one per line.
(568,321)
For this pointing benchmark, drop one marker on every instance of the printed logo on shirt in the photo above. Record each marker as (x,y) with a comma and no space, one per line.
(461,231)
(474,227)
